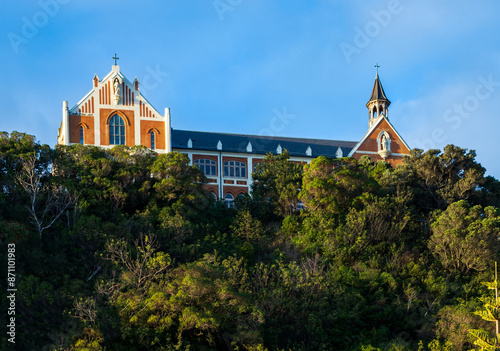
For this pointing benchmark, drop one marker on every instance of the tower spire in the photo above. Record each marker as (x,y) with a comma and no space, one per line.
(378,103)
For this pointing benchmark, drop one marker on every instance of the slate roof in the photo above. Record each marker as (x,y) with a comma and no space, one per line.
(260,144)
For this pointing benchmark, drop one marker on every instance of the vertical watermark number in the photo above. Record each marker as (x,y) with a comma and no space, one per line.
(11,292)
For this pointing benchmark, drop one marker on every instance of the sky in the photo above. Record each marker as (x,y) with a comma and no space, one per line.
(286,68)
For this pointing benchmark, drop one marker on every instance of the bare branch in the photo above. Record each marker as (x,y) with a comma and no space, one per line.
(147,263)
(46,202)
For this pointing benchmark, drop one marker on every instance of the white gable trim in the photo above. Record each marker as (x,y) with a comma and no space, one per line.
(376,153)
(144,100)
(74,109)
(355,148)
(114,71)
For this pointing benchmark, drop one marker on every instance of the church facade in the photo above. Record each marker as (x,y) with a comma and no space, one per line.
(115,112)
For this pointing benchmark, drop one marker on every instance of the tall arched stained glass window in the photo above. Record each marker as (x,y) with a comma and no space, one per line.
(81,135)
(116,131)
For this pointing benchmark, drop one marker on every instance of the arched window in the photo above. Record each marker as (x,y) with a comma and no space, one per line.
(116,131)
(229,200)
(153,143)
(207,166)
(81,135)
(235,169)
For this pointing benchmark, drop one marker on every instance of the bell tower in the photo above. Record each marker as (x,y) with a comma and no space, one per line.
(378,104)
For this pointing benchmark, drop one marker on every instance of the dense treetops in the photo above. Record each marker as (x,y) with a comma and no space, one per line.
(123,249)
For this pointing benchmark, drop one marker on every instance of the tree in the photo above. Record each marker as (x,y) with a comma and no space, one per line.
(91,172)
(278,180)
(454,322)
(133,174)
(331,185)
(465,238)
(374,231)
(194,306)
(14,148)
(106,180)
(179,185)
(142,264)
(439,178)
(47,201)
(491,312)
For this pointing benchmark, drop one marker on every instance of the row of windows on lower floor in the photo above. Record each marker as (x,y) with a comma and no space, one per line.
(235,169)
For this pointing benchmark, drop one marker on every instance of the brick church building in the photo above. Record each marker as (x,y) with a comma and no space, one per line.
(115,112)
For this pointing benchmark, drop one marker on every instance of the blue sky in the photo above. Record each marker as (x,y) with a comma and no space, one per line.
(237,65)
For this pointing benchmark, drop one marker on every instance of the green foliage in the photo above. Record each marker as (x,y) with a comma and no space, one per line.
(454,323)
(331,186)
(465,238)
(178,184)
(380,259)
(437,178)
(13,231)
(435,345)
(278,181)
(195,305)
(14,149)
(485,339)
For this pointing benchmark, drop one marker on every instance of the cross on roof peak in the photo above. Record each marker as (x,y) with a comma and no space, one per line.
(115,58)
(376,68)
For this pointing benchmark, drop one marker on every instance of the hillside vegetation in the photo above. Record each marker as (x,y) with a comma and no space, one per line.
(122,249)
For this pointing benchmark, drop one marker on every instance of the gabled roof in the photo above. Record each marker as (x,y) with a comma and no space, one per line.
(377,91)
(370,131)
(135,98)
(259,144)
(82,100)
(115,71)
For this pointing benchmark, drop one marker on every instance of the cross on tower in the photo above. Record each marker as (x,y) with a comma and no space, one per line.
(376,67)
(115,58)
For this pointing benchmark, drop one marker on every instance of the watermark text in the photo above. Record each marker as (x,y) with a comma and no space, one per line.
(11,290)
